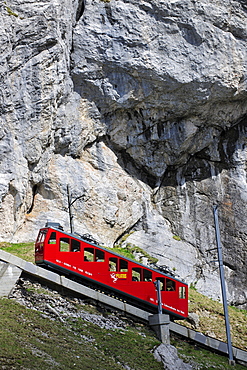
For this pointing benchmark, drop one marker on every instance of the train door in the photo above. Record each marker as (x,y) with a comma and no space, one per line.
(142,285)
(67,249)
(39,246)
(183,300)
(94,263)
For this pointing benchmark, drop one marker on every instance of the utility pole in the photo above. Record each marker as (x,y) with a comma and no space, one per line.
(70,213)
(223,286)
(70,203)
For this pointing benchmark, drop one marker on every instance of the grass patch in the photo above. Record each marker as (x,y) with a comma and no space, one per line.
(22,250)
(209,311)
(122,252)
(212,321)
(207,360)
(131,251)
(29,341)
(131,347)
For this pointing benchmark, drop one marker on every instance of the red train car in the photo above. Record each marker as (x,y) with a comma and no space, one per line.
(71,254)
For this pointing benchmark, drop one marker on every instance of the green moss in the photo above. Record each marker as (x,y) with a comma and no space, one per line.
(129,251)
(135,249)
(193,286)
(10,12)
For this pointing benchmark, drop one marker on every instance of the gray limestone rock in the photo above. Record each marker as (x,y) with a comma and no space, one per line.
(167,354)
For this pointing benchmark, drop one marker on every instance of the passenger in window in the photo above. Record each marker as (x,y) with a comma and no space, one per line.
(170,286)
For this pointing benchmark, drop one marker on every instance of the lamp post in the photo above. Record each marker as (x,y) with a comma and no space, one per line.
(223,286)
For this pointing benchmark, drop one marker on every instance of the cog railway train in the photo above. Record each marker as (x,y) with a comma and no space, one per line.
(78,257)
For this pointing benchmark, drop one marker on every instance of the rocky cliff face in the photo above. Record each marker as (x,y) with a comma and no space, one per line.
(141,108)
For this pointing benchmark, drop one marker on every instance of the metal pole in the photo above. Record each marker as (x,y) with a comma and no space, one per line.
(157,285)
(223,286)
(70,213)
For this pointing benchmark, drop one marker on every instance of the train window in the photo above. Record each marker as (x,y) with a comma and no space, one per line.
(99,256)
(170,285)
(52,239)
(42,236)
(75,245)
(147,275)
(112,264)
(123,266)
(162,283)
(89,254)
(182,292)
(64,245)
(136,274)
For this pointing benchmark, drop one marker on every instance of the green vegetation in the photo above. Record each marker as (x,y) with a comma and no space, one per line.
(22,250)
(193,286)
(131,347)
(30,341)
(212,321)
(129,250)
(10,12)
(123,252)
(26,251)
(134,249)
(176,237)
(26,338)
(201,358)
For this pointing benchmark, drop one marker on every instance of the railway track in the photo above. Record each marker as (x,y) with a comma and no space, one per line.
(12,267)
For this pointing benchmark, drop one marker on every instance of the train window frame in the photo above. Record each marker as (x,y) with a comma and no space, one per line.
(147,276)
(42,236)
(182,292)
(75,245)
(99,255)
(162,283)
(123,265)
(64,244)
(170,285)
(136,274)
(113,264)
(89,257)
(52,240)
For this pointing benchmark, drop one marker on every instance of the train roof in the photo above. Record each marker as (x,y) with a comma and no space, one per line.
(80,237)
